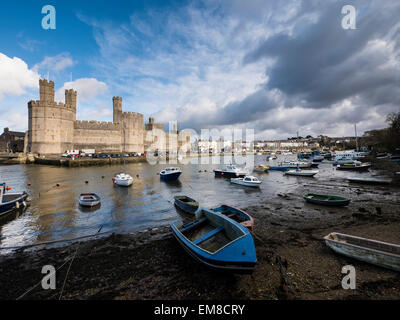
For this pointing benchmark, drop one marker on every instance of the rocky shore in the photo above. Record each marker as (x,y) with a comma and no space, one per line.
(293,260)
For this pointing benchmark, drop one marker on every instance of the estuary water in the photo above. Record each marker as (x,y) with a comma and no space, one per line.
(54,213)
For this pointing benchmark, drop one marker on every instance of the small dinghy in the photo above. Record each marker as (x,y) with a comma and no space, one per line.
(170,174)
(217,242)
(238,215)
(89,200)
(248,181)
(186,204)
(354,166)
(372,251)
(326,200)
(370,180)
(11,201)
(261,168)
(301,173)
(123,180)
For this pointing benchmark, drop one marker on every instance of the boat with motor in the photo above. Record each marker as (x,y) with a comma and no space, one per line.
(186,204)
(370,180)
(326,200)
(11,201)
(354,166)
(248,181)
(170,174)
(89,200)
(278,168)
(122,180)
(318,158)
(230,171)
(217,241)
(378,253)
(296,164)
(301,173)
(261,168)
(236,214)
(349,155)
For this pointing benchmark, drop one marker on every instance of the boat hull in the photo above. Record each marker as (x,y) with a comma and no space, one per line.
(331,203)
(225,174)
(187,207)
(238,215)
(370,180)
(301,173)
(246,184)
(355,168)
(12,202)
(170,176)
(90,203)
(375,257)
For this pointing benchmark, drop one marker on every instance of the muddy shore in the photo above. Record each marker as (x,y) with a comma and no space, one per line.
(293,261)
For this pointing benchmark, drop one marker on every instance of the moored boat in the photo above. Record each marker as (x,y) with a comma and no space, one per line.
(278,168)
(217,242)
(248,181)
(301,173)
(326,200)
(236,214)
(11,201)
(372,251)
(186,204)
(354,166)
(370,180)
(230,171)
(170,174)
(89,200)
(123,180)
(261,168)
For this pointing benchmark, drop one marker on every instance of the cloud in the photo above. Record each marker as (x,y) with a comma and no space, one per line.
(15,76)
(87,88)
(55,64)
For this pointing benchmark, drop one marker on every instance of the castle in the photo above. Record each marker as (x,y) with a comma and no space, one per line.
(53,128)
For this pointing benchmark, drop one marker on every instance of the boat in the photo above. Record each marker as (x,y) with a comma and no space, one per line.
(170,174)
(318,158)
(230,171)
(238,215)
(248,181)
(278,168)
(297,164)
(326,200)
(370,180)
(122,180)
(337,162)
(354,166)
(11,201)
(301,173)
(89,200)
(217,241)
(349,155)
(261,168)
(186,204)
(379,253)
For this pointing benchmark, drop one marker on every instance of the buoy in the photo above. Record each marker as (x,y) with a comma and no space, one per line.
(8,188)
(137,176)
(86,182)
(28,184)
(24,203)
(17,205)
(57,185)
(102,177)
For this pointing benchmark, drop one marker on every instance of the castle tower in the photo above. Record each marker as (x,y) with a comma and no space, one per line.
(117,109)
(70,98)
(46,91)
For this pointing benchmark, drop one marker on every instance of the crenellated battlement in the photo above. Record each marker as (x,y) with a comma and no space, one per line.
(95,125)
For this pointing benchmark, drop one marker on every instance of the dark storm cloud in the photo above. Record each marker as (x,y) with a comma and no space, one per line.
(321,63)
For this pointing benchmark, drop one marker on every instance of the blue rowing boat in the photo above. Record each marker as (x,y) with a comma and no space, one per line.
(217,241)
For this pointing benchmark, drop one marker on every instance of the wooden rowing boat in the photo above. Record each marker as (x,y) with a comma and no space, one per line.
(236,214)
(379,253)
(186,204)
(326,200)
(217,242)
(89,200)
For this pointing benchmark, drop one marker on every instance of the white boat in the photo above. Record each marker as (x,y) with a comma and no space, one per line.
(371,180)
(301,173)
(349,155)
(248,181)
(123,180)
(170,174)
(372,251)
(296,164)
(89,200)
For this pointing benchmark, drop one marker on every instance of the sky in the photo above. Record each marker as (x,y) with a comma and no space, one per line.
(278,67)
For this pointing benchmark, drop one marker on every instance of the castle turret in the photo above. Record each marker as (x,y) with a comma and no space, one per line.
(117,108)
(70,98)
(46,90)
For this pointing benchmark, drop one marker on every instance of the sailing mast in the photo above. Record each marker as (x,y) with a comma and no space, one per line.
(355,129)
